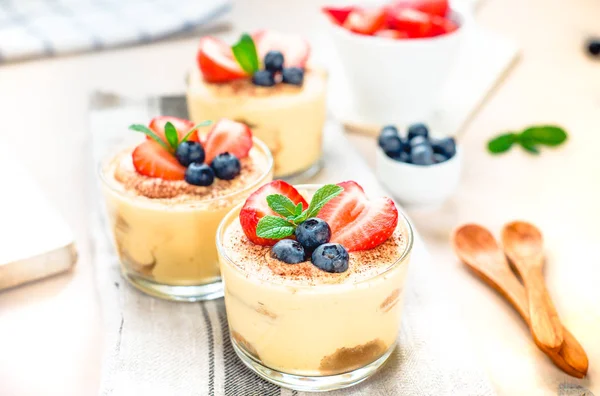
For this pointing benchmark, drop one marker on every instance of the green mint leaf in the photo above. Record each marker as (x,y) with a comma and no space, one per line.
(245,54)
(321,197)
(282,205)
(528,144)
(298,210)
(301,218)
(547,135)
(502,143)
(274,227)
(200,125)
(171,135)
(149,132)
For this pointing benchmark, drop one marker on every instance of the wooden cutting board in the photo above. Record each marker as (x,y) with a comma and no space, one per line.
(35,242)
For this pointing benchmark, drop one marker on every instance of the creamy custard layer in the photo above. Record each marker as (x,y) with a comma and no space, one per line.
(164,231)
(289,119)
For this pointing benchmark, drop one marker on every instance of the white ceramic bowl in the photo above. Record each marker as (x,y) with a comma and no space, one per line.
(395,81)
(417,185)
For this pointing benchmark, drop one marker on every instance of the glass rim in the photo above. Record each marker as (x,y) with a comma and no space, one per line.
(226,221)
(260,179)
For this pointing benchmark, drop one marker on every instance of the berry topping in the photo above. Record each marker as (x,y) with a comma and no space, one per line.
(356,222)
(199,175)
(157,124)
(338,15)
(365,21)
(312,233)
(188,152)
(217,62)
(446,147)
(228,136)
(288,251)
(256,207)
(390,142)
(263,78)
(274,61)
(331,257)
(226,166)
(593,46)
(293,75)
(418,140)
(417,130)
(422,154)
(151,159)
(295,49)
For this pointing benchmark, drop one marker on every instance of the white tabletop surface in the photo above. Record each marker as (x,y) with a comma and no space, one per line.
(51,331)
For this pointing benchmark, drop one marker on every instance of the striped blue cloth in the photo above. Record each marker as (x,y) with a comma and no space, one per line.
(38,28)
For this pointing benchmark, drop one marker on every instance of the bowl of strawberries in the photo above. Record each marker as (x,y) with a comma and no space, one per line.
(396,56)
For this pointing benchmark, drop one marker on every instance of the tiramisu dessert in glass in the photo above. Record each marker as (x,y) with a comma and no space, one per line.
(266,81)
(314,291)
(166,197)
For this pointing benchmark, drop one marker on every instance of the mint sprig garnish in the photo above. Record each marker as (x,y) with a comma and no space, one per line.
(274,227)
(171,134)
(529,139)
(245,54)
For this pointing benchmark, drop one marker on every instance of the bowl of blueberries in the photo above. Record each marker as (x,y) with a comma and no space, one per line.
(417,168)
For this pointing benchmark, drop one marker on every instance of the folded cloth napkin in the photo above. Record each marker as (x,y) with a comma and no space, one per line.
(37,28)
(157,347)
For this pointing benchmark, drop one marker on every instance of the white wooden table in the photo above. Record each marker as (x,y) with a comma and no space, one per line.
(51,331)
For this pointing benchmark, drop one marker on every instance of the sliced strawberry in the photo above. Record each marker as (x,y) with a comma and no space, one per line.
(256,207)
(356,222)
(344,208)
(295,48)
(338,15)
(150,159)
(157,124)
(391,33)
(442,26)
(365,21)
(415,24)
(431,7)
(216,61)
(228,136)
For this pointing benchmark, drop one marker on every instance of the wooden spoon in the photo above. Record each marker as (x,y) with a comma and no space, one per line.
(524,246)
(478,249)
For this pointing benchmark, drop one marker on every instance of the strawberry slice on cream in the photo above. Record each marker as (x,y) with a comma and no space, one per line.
(216,61)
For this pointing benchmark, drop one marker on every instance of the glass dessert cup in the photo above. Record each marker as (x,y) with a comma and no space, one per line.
(167,248)
(313,337)
(288,118)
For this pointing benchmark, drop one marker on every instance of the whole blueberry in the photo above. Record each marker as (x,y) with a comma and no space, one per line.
(446,146)
(292,75)
(417,130)
(226,166)
(593,46)
(422,154)
(288,251)
(199,174)
(402,157)
(417,140)
(312,233)
(438,158)
(188,152)
(263,78)
(331,257)
(392,145)
(273,61)
(386,132)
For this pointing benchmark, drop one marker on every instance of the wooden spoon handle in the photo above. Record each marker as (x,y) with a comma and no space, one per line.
(544,322)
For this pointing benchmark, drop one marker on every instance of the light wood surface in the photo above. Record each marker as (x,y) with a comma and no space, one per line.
(50,331)
(478,249)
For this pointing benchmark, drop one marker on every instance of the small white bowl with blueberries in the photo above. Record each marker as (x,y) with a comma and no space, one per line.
(417,168)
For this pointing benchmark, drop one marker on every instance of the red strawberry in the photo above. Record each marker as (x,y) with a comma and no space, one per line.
(256,207)
(338,15)
(157,124)
(228,136)
(294,48)
(150,159)
(415,24)
(391,33)
(365,21)
(216,61)
(442,26)
(431,7)
(357,223)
